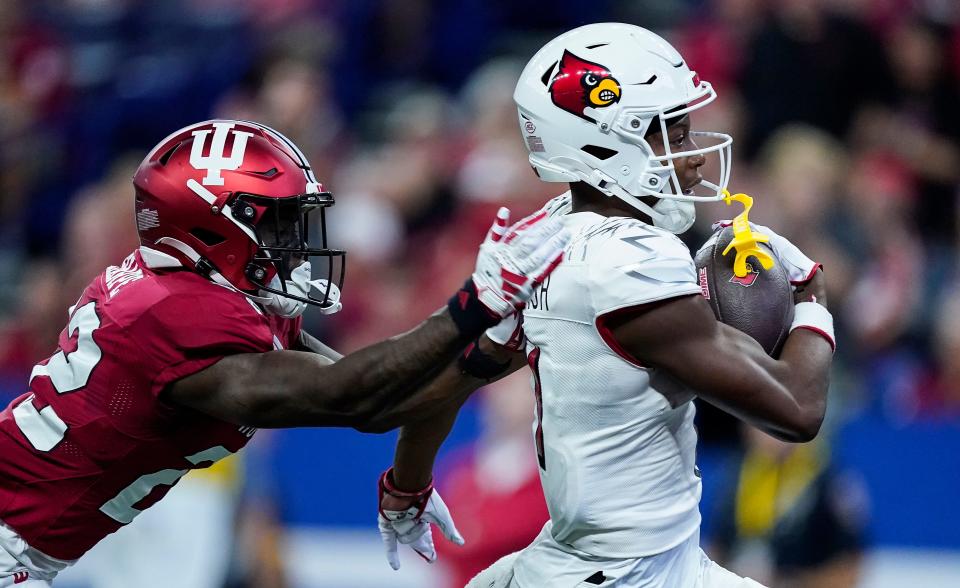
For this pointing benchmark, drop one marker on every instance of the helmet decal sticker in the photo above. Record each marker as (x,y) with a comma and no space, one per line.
(217,160)
(147,218)
(580,84)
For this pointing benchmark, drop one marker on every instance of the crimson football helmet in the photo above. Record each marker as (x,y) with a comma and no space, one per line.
(229,199)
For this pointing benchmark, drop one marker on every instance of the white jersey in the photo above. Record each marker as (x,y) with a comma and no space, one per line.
(616,440)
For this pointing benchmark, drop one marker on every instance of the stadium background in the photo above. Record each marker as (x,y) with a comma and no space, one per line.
(846,118)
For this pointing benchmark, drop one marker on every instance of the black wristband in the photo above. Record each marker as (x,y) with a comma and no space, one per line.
(471,317)
(474,362)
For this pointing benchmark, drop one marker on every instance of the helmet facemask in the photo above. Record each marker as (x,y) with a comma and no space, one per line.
(659,177)
(675,209)
(281,265)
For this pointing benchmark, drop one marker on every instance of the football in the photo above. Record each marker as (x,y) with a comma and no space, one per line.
(760,304)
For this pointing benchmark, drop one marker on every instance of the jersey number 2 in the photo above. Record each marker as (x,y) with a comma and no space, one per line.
(68,372)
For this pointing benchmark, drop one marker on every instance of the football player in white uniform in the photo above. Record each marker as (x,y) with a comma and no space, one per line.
(619,339)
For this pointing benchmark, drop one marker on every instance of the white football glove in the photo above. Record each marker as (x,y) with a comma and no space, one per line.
(512,261)
(412,525)
(509,332)
(800,268)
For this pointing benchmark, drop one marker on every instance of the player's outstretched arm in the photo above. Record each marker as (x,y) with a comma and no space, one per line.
(785,397)
(295,388)
(493,356)
(408,503)
(421,437)
(290,388)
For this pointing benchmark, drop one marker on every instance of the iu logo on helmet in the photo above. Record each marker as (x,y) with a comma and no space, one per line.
(747,280)
(580,84)
(217,161)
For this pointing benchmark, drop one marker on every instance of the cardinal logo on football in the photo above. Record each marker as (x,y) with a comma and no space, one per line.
(747,280)
(580,84)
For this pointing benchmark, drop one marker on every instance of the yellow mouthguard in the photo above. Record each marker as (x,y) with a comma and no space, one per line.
(744,239)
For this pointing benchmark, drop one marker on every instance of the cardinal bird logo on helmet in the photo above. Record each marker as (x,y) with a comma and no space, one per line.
(579,84)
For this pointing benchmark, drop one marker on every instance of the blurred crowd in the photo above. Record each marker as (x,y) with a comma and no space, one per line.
(845,114)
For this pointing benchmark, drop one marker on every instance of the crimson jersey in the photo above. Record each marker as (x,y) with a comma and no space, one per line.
(92,444)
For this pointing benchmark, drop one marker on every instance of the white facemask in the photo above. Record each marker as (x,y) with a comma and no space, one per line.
(299,284)
(676,216)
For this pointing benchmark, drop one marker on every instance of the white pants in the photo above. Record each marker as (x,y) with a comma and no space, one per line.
(22,566)
(545,563)
(14,575)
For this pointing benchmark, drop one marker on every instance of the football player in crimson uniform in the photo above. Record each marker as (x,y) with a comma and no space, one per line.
(171,359)
(619,340)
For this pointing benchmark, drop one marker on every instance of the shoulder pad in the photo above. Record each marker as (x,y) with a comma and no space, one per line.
(187,324)
(639,264)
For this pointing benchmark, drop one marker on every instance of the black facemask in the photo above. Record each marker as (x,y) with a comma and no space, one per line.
(282,232)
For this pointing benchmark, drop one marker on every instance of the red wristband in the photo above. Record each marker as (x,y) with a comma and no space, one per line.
(418,498)
(386,479)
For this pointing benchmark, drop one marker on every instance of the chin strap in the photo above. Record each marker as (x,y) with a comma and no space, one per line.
(615,190)
(745,240)
(155,259)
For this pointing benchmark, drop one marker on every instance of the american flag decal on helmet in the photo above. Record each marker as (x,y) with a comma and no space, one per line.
(147,219)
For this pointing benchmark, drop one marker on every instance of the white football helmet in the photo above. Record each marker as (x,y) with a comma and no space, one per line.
(585,103)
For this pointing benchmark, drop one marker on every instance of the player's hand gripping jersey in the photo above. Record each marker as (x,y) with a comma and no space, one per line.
(615,440)
(92,443)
